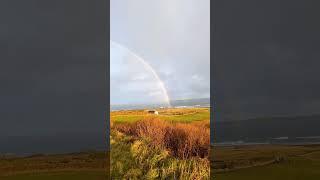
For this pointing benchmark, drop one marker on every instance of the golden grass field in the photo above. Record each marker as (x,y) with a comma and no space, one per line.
(172,145)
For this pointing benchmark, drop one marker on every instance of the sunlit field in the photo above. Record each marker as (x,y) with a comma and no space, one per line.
(171,145)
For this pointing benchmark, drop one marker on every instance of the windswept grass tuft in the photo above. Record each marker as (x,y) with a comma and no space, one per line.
(182,140)
(141,160)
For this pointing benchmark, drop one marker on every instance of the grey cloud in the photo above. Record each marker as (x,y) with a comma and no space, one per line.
(174,37)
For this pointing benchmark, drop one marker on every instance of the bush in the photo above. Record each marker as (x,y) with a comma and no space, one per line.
(141,160)
(182,140)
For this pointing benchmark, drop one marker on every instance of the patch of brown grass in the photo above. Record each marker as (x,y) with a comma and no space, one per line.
(58,162)
(182,140)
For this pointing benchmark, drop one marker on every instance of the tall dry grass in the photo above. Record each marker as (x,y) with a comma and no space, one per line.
(180,139)
(138,159)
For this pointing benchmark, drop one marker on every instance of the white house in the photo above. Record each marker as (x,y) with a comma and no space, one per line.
(153,112)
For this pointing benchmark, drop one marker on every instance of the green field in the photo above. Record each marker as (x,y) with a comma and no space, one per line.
(266,162)
(87,165)
(185,115)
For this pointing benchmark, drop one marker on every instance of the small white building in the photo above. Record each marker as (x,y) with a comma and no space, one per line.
(153,112)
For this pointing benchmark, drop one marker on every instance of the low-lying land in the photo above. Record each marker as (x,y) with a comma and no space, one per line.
(86,165)
(174,115)
(265,162)
(171,145)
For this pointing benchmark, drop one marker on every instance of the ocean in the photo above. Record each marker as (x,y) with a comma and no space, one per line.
(272,130)
(54,144)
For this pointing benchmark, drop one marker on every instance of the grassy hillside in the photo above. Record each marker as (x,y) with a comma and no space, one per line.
(171,145)
(89,165)
(185,115)
(266,162)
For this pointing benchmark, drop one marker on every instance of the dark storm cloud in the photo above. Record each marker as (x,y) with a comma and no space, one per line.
(266,58)
(53,67)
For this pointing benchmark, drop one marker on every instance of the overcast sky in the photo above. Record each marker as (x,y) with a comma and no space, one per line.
(267,58)
(173,37)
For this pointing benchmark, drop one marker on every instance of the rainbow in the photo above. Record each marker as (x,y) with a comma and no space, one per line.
(148,67)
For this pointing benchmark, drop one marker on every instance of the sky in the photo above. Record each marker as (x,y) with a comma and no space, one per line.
(52,71)
(266,59)
(172,37)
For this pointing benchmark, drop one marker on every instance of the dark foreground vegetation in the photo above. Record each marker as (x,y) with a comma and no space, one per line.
(80,166)
(265,162)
